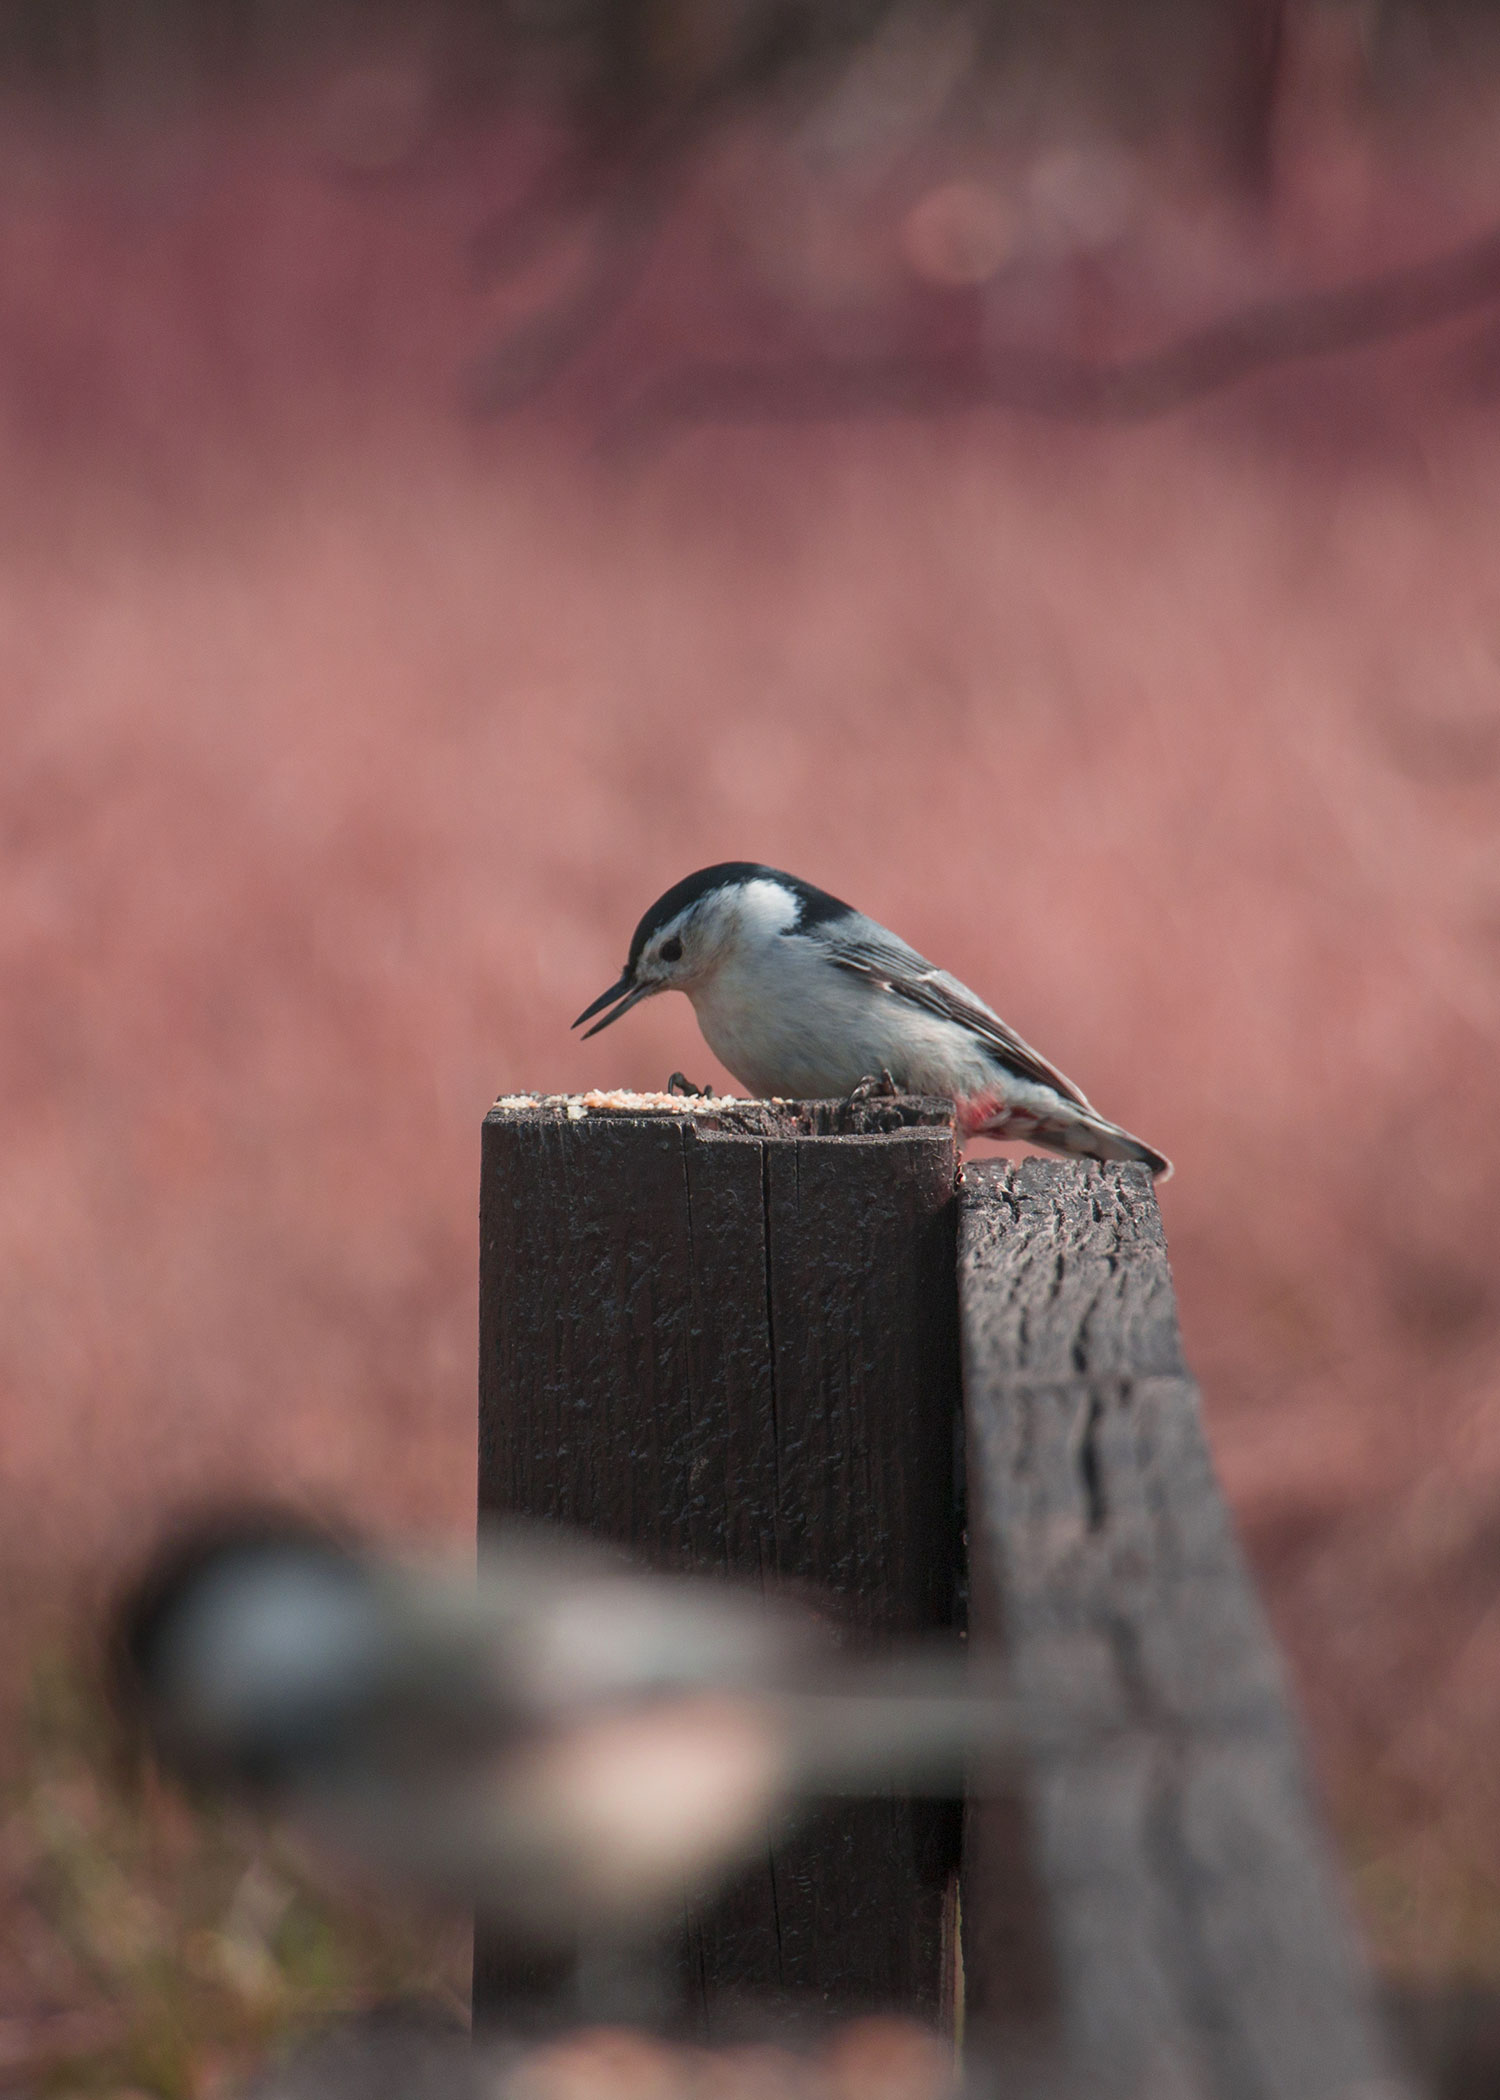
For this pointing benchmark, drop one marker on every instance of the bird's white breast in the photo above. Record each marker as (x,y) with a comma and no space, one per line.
(782,1016)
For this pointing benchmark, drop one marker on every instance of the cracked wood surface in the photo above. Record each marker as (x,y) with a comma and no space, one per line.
(1155,1911)
(727,1339)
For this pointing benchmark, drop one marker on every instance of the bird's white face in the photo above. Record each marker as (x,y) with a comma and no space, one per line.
(691,948)
(687,952)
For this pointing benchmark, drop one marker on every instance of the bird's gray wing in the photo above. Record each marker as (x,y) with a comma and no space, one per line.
(893,966)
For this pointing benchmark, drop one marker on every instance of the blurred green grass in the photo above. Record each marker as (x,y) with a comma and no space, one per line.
(159,1949)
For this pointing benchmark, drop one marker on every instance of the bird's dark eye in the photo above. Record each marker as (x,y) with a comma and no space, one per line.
(671,951)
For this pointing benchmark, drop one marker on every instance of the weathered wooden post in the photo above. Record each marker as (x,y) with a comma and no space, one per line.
(725,1336)
(1155,1912)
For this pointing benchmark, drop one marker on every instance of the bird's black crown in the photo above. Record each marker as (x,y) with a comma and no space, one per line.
(813,905)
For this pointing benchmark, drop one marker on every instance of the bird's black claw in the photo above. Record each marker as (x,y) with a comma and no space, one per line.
(678,1085)
(872,1089)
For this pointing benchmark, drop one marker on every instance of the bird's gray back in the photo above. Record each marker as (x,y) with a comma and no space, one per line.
(811,1014)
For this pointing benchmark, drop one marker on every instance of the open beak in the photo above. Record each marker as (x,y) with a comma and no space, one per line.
(626,991)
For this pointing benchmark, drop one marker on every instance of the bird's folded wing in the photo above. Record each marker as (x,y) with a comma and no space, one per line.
(910,976)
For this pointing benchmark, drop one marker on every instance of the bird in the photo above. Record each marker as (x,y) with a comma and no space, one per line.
(802,997)
(558,1735)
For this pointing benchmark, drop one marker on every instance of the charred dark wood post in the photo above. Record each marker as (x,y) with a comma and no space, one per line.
(1156,1911)
(725,1336)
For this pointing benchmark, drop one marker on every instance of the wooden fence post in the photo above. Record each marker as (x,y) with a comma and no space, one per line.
(725,1336)
(1155,1912)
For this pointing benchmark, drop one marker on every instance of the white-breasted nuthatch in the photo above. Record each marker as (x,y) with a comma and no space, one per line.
(570,1741)
(801,996)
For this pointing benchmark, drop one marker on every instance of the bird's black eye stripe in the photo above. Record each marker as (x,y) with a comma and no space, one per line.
(671,951)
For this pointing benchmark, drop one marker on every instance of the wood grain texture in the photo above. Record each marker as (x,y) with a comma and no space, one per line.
(1191,1938)
(728,1341)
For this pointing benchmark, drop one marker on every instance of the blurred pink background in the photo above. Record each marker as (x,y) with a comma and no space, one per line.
(346,737)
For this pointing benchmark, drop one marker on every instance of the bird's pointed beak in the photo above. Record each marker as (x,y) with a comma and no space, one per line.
(627,991)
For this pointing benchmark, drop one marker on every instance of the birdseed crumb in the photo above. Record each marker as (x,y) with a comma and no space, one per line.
(577,1106)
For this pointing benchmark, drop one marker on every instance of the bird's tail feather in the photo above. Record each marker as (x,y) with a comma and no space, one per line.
(1081,1132)
(1096,1139)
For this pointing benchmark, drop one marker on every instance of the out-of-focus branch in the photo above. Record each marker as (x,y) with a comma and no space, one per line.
(1259,338)
(635,147)
(620,196)
(618,249)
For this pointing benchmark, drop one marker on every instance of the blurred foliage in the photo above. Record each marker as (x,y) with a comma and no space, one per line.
(622,55)
(168,1951)
(624,66)
(627,45)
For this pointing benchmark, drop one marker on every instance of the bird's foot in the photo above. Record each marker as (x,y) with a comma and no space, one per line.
(678,1085)
(883,1088)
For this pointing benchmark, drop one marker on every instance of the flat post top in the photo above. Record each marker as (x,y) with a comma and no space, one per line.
(727,1115)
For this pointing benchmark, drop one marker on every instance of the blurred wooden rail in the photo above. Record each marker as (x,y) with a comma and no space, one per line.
(729,1338)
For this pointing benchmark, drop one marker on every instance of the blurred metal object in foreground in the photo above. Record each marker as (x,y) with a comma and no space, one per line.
(564,1741)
